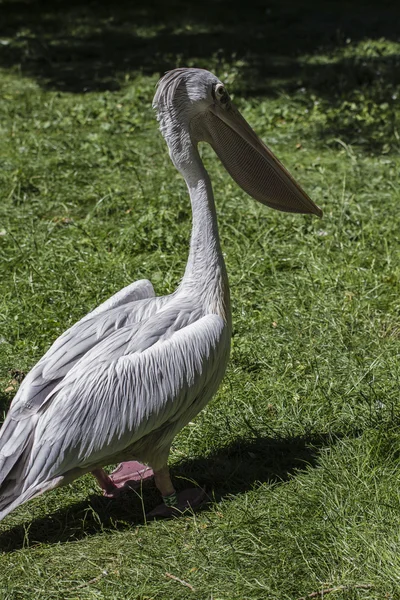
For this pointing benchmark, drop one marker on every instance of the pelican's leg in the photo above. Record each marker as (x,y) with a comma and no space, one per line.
(174,503)
(108,487)
(127,475)
(163,482)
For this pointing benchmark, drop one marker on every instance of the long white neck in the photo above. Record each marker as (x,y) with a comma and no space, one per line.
(205,273)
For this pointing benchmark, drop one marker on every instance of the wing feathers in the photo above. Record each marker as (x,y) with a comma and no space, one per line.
(129,304)
(113,406)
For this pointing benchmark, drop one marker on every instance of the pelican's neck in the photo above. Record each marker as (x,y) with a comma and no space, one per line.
(205,255)
(205,272)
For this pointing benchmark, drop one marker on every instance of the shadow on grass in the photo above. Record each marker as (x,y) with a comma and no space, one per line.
(79,46)
(4,403)
(229,471)
(15,378)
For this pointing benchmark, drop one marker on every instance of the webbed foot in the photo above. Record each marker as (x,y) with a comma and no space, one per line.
(128,475)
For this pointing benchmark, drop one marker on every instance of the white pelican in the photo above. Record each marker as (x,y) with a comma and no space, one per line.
(119,384)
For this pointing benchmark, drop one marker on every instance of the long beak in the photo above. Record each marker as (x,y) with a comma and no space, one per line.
(252,165)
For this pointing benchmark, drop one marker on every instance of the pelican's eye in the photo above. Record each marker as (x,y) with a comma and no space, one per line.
(220,94)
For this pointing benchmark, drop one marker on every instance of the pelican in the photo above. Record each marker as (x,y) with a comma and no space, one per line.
(124,380)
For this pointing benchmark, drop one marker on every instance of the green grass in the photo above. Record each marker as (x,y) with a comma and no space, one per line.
(300,448)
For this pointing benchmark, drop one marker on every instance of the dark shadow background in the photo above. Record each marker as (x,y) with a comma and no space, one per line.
(77,46)
(228,471)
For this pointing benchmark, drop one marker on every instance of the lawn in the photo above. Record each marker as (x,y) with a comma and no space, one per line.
(299,450)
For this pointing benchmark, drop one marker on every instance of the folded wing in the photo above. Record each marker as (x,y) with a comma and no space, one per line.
(129,305)
(105,405)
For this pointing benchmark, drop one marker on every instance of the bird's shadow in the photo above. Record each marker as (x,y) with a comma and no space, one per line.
(229,471)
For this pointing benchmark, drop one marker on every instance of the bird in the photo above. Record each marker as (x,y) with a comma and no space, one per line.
(124,380)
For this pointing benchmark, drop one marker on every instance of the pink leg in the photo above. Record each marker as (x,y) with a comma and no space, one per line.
(174,504)
(108,487)
(127,475)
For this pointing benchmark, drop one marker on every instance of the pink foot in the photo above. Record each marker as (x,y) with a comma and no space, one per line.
(188,499)
(131,472)
(128,475)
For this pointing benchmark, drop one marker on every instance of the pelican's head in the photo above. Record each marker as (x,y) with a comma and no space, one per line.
(193,105)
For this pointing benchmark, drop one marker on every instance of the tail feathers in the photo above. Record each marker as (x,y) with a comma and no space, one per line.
(18,482)
(15,439)
(11,498)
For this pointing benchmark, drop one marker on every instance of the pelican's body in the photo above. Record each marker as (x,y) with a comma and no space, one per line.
(122,382)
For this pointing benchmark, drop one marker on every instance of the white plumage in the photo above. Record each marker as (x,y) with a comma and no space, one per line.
(122,382)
